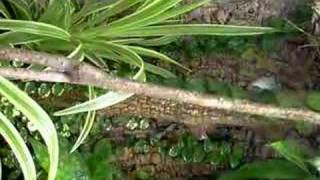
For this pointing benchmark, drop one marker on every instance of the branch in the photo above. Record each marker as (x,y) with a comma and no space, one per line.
(86,74)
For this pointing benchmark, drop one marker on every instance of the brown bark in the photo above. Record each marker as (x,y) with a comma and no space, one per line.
(189,114)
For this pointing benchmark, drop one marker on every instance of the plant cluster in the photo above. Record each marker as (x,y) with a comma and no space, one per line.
(116,37)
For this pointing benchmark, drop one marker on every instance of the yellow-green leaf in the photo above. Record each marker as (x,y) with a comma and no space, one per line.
(37,116)
(19,148)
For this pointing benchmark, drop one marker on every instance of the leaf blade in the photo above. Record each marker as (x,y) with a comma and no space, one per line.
(19,148)
(37,116)
(87,125)
(35,28)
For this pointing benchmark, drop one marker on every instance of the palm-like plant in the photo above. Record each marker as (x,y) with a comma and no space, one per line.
(93,31)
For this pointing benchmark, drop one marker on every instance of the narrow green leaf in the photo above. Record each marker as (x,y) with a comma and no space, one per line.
(16,38)
(174,12)
(36,28)
(19,148)
(58,13)
(37,116)
(120,6)
(135,19)
(189,29)
(145,4)
(4,11)
(89,8)
(77,54)
(150,11)
(109,99)
(148,67)
(164,40)
(22,9)
(127,41)
(154,54)
(101,51)
(88,123)
(159,71)
(269,169)
(292,152)
(97,61)
(125,54)
(106,12)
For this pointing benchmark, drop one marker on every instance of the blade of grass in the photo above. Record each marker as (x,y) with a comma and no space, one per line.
(120,6)
(36,28)
(292,152)
(124,53)
(154,54)
(110,98)
(145,14)
(135,19)
(89,8)
(106,100)
(103,52)
(58,13)
(268,169)
(88,123)
(174,12)
(189,29)
(103,14)
(4,11)
(16,38)
(97,61)
(19,148)
(164,40)
(38,117)
(22,10)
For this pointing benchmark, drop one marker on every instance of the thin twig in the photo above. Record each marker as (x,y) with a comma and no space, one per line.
(85,74)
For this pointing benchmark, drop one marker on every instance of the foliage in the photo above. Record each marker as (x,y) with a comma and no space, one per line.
(313,101)
(94,31)
(270,169)
(38,117)
(295,165)
(87,165)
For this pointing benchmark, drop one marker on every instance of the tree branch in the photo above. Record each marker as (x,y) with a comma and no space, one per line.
(86,74)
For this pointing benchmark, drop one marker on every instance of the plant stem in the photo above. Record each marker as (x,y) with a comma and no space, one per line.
(86,74)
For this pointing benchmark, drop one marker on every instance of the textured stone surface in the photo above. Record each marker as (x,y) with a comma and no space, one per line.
(245,12)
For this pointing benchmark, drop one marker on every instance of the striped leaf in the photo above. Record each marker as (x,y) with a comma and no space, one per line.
(36,28)
(36,116)
(19,148)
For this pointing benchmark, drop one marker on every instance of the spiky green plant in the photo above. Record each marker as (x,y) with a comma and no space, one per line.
(93,31)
